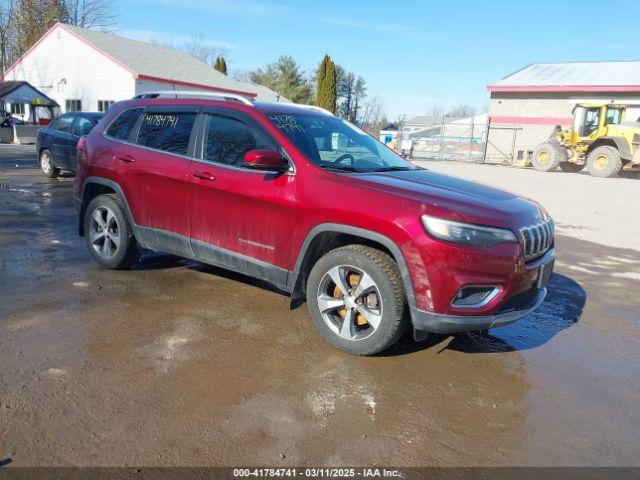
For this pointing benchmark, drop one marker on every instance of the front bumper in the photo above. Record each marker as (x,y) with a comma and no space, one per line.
(444,324)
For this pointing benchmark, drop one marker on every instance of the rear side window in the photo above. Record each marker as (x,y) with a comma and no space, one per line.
(166,131)
(228,139)
(82,127)
(122,126)
(63,124)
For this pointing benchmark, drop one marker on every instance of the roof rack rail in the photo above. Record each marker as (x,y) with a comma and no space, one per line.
(195,94)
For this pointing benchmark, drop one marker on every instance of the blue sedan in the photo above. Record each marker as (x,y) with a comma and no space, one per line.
(56,143)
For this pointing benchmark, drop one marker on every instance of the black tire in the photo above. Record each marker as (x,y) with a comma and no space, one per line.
(571,167)
(604,161)
(126,253)
(384,271)
(547,156)
(47,164)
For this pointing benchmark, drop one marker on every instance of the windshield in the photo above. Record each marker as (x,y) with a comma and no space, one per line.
(332,143)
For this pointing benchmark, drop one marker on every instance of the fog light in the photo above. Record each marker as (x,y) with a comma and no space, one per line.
(475,297)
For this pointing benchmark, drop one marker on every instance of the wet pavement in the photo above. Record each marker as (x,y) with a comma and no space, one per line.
(176,363)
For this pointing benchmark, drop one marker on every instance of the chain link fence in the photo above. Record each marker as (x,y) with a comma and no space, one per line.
(462,140)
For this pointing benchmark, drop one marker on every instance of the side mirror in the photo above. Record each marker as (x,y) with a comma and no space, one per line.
(262,159)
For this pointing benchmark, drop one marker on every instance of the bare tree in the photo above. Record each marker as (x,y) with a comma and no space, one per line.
(437,111)
(462,111)
(91,13)
(359,94)
(197,45)
(164,42)
(7,37)
(400,121)
(373,116)
(242,76)
(199,48)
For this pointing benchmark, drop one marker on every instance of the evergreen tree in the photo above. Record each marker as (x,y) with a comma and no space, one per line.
(285,77)
(221,65)
(327,85)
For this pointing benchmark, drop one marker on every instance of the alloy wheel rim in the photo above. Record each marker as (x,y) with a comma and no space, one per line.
(104,232)
(601,162)
(350,302)
(46,163)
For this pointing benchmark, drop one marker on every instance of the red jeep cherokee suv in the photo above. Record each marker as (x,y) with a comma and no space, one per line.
(302,199)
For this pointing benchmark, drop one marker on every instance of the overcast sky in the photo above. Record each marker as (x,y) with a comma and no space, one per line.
(415,54)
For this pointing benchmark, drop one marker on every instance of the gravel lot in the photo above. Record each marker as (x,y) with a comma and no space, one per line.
(176,363)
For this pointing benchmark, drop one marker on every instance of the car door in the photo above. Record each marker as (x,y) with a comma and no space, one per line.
(155,171)
(63,142)
(239,218)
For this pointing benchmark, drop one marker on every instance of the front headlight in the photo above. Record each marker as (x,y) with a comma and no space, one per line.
(467,234)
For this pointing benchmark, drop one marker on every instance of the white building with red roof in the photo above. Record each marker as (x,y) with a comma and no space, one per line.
(87,70)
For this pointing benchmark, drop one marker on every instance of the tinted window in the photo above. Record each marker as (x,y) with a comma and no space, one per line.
(83,126)
(122,126)
(166,131)
(229,139)
(63,124)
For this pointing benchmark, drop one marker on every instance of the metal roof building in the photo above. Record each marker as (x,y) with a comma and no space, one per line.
(526,105)
(585,76)
(83,69)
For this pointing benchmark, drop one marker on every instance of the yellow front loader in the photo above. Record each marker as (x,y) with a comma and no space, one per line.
(599,138)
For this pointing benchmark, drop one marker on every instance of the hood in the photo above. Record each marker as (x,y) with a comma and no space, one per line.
(453,198)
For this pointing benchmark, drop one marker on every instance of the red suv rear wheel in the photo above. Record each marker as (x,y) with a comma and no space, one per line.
(108,233)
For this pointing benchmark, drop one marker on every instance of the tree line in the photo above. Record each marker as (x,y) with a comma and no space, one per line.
(23,22)
(329,86)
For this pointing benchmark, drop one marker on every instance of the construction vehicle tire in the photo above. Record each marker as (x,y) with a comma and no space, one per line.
(604,161)
(547,156)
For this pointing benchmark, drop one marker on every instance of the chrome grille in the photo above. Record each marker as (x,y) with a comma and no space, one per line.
(537,238)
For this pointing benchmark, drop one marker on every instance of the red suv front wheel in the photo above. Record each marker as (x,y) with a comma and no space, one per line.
(356,299)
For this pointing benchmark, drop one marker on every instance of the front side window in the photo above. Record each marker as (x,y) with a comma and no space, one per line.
(613,116)
(73,105)
(228,139)
(167,131)
(63,124)
(121,127)
(591,119)
(332,143)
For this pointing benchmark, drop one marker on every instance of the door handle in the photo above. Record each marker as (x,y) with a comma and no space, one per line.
(204,176)
(126,158)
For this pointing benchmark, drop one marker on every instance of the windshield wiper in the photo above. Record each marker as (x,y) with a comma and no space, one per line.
(344,168)
(392,169)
